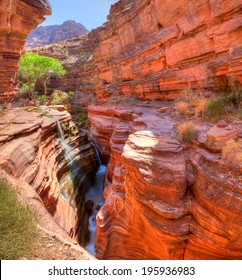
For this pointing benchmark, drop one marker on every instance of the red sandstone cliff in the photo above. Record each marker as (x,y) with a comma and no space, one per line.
(156,49)
(163,199)
(18,18)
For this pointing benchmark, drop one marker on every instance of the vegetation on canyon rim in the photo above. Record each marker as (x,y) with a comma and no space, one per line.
(34,68)
(227,104)
(17,224)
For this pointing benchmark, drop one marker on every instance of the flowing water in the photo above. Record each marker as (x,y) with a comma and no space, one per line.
(66,186)
(95,194)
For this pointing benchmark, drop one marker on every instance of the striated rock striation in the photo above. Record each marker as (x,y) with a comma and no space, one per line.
(157,49)
(18,18)
(33,152)
(46,35)
(163,199)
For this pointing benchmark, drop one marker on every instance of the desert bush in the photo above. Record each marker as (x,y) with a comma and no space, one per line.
(83,118)
(70,93)
(181,107)
(59,97)
(233,96)
(187,132)
(200,109)
(76,109)
(42,99)
(191,104)
(17,224)
(232,151)
(215,109)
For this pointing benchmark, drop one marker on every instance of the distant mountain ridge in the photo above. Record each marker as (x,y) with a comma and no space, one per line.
(46,35)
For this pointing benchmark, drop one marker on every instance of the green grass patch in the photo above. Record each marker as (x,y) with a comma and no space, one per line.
(17,224)
(215,109)
(83,118)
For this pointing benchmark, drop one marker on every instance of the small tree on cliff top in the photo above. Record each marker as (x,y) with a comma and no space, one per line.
(33,67)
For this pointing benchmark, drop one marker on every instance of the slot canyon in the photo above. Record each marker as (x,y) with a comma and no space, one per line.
(128,187)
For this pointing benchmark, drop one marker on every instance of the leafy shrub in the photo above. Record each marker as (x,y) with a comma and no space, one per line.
(76,109)
(232,151)
(215,109)
(59,97)
(1,101)
(17,224)
(42,99)
(187,132)
(83,118)
(24,89)
(233,96)
(70,93)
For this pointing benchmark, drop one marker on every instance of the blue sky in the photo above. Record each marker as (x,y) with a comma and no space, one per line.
(90,13)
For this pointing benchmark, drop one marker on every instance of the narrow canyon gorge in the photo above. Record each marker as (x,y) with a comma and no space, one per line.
(163,198)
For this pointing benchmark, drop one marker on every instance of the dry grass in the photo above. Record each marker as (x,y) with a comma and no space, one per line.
(187,132)
(232,152)
(191,104)
(181,107)
(200,109)
(17,224)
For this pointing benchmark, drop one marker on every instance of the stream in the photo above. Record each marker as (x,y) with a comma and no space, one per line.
(95,194)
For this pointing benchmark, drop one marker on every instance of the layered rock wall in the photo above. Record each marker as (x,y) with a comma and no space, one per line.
(31,151)
(17,19)
(163,199)
(157,49)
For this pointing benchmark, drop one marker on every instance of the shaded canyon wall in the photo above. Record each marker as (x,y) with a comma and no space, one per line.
(31,151)
(17,19)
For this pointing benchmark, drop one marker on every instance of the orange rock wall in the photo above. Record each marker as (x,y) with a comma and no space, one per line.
(17,19)
(156,49)
(164,200)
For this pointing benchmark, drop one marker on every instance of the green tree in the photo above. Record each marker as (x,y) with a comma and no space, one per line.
(50,67)
(28,71)
(33,67)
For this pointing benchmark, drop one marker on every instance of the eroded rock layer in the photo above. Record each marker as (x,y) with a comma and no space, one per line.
(17,19)
(33,151)
(163,199)
(156,49)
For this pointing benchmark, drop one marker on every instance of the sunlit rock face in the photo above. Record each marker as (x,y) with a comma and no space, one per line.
(17,19)
(163,199)
(156,49)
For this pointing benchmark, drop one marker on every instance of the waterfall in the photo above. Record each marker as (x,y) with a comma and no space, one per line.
(97,153)
(67,148)
(95,194)
(66,187)
(90,247)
